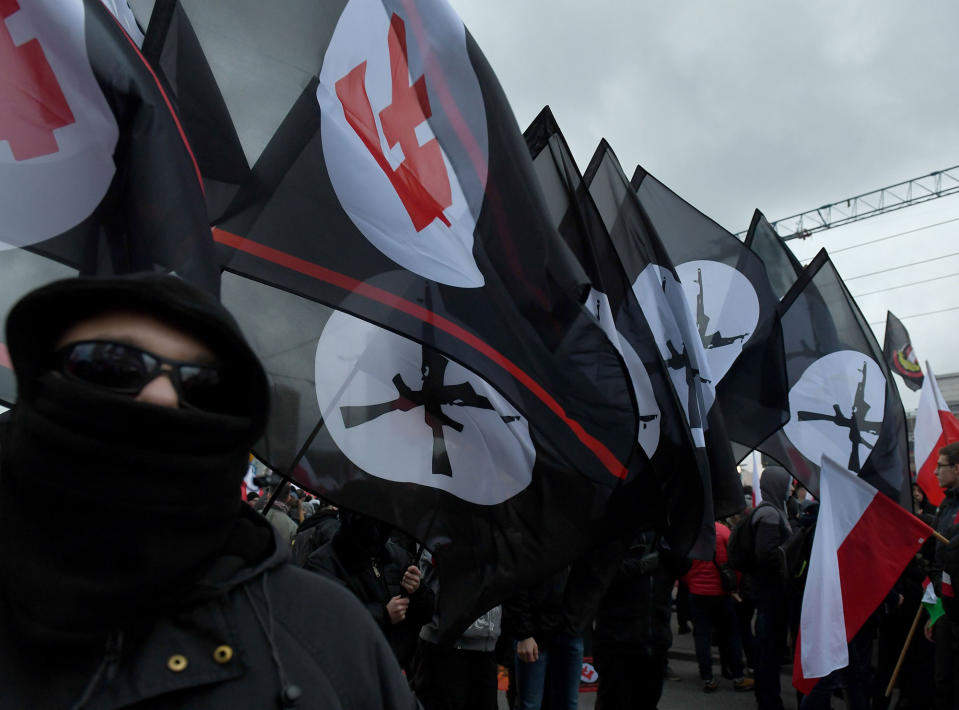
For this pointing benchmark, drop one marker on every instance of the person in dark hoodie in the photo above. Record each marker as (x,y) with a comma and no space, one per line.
(382,576)
(771,530)
(158,586)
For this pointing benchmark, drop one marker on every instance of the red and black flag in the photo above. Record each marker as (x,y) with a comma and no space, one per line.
(388,179)
(458,388)
(843,401)
(735,312)
(657,288)
(96,174)
(782,266)
(900,357)
(677,469)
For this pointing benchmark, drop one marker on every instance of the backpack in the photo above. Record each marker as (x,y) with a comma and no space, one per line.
(741,547)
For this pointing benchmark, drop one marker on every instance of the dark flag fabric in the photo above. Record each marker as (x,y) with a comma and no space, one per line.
(389,179)
(782,266)
(458,389)
(657,288)
(735,312)
(900,357)
(96,174)
(677,466)
(843,401)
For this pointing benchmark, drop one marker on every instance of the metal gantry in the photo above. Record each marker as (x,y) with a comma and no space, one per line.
(869,204)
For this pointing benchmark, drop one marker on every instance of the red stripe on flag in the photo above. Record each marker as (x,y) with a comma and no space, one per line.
(348,283)
(166,99)
(5,357)
(926,477)
(873,555)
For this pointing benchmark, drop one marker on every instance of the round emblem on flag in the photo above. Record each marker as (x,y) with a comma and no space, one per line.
(649,413)
(403,412)
(400,106)
(666,310)
(836,408)
(57,133)
(725,308)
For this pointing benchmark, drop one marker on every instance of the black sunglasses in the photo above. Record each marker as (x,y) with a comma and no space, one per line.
(127,369)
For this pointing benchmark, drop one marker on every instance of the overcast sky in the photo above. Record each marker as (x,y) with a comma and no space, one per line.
(775,105)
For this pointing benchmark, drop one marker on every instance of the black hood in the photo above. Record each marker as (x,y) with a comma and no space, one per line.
(774,486)
(38,320)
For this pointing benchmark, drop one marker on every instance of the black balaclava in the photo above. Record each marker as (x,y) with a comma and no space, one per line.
(774,486)
(154,491)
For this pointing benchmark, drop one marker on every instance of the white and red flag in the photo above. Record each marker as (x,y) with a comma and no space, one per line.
(936,426)
(863,541)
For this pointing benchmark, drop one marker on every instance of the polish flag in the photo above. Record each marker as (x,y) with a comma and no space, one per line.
(936,426)
(863,542)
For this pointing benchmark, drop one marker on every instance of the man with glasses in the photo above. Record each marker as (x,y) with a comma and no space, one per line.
(139,399)
(946,630)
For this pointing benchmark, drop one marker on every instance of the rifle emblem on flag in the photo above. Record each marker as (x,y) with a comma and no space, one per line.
(432,397)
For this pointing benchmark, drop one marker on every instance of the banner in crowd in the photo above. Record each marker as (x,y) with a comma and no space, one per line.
(377,170)
(657,288)
(935,427)
(901,358)
(863,542)
(842,399)
(676,496)
(96,175)
(782,266)
(735,312)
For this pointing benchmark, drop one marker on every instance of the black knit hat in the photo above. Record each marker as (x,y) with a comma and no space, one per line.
(38,320)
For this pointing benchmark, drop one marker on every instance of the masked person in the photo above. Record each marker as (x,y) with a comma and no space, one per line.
(382,576)
(157,587)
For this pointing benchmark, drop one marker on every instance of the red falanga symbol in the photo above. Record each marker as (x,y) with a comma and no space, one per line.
(420,180)
(32,104)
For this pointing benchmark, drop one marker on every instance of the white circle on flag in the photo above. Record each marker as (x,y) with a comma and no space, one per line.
(729,313)
(389,171)
(667,312)
(837,404)
(370,386)
(650,416)
(55,168)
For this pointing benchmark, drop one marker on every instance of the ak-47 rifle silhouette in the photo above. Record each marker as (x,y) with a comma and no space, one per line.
(433,395)
(717,339)
(680,361)
(856,422)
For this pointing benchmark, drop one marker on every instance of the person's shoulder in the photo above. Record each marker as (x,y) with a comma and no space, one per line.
(324,620)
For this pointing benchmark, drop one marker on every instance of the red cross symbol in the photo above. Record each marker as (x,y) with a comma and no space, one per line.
(420,180)
(31,102)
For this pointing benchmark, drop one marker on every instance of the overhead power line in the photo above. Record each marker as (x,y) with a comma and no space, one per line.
(891,236)
(912,283)
(869,204)
(917,315)
(903,266)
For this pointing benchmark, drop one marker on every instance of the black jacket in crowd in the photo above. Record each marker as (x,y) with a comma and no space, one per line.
(374,580)
(261,631)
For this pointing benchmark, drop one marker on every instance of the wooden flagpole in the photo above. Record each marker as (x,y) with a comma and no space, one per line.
(905,647)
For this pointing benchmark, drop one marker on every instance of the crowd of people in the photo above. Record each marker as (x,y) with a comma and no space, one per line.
(157,586)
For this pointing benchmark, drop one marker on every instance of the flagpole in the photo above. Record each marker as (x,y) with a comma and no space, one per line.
(905,647)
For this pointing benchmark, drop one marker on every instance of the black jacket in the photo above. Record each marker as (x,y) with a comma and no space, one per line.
(374,581)
(635,611)
(262,629)
(538,611)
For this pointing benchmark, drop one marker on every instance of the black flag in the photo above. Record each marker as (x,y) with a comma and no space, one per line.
(900,357)
(735,311)
(842,399)
(459,390)
(388,173)
(679,467)
(660,294)
(97,177)
(782,266)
